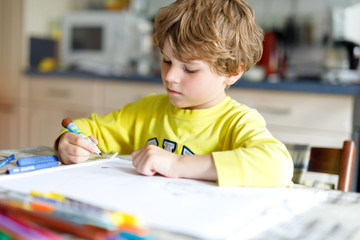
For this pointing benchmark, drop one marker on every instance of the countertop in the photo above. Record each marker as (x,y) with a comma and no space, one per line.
(308,85)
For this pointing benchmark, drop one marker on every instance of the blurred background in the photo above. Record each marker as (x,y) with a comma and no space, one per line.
(65,58)
(303,39)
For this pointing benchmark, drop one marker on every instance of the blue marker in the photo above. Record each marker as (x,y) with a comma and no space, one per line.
(133,236)
(26,161)
(7,160)
(68,123)
(32,167)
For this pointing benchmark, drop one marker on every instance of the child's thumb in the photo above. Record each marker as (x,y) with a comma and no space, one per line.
(94,139)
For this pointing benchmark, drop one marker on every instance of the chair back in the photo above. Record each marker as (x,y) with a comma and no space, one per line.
(339,161)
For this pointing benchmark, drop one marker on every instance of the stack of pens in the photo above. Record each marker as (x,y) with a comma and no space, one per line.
(52,216)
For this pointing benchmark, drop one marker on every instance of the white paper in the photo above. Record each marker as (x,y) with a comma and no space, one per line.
(196,208)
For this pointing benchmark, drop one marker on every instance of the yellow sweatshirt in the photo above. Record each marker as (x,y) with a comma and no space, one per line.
(244,151)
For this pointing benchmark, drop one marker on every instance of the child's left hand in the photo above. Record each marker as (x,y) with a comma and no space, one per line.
(152,159)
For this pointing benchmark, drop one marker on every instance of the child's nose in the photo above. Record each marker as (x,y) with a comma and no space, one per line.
(173,74)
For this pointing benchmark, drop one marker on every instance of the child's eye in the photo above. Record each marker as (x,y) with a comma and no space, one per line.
(189,70)
(167,61)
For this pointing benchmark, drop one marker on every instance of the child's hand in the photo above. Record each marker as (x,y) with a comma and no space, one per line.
(74,148)
(152,159)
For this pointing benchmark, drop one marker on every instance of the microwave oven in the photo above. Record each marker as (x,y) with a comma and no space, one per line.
(103,42)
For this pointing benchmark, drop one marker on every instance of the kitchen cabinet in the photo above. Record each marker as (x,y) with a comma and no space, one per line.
(53,99)
(292,117)
(317,119)
(303,118)
(119,93)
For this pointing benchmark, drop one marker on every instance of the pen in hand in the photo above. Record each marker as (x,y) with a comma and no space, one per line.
(68,123)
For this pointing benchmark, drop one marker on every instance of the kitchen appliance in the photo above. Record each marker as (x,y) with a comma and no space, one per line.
(341,63)
(105,42)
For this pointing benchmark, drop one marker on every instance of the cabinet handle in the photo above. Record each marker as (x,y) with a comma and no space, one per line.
(58,93)
(273,110)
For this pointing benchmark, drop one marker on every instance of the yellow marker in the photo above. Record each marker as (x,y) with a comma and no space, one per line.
(118,218)
(56,196)
(124,219)
(37,194)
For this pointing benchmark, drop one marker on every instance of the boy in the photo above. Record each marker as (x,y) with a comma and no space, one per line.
(195,130)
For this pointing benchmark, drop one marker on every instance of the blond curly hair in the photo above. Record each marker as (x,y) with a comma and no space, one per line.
(220,32)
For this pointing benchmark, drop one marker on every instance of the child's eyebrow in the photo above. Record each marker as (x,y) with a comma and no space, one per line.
(162,52)
(164,55)
(192,62)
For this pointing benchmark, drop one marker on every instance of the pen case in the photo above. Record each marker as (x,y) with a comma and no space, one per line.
(27,161)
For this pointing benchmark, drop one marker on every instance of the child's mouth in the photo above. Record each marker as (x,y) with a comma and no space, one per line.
(172,92)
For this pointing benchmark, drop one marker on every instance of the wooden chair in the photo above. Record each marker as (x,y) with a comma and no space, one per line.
(339,161)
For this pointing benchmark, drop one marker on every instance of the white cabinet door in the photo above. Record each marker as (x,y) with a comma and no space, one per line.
(53,99)
(297,117)
(46,123)
(117,94)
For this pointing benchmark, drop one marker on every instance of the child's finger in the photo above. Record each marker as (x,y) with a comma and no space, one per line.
(80,141)
(94,139)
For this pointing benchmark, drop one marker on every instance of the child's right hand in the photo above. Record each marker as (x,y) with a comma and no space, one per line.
(74,148)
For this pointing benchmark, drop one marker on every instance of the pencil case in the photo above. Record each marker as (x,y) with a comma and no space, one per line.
(27,161)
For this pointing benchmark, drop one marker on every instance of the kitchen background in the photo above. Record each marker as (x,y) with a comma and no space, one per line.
(306,85)
(305,39)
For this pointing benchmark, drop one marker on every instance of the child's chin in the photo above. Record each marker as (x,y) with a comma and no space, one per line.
(178,104)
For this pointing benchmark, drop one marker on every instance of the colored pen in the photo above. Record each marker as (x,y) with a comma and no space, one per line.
(76,214)
(116,218)
(65,211)
(28,228)
(68,123)
(7,160)
(132,236)
(20,231)
(27,161)
(32,167)
(58,198)
(84,231)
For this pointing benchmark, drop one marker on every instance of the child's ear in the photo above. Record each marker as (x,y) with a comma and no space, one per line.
(232,78)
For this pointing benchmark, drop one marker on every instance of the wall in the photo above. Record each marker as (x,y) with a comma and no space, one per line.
(41,14)
(38,14)
(273,13)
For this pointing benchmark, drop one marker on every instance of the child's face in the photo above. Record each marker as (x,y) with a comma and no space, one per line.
(190,85)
